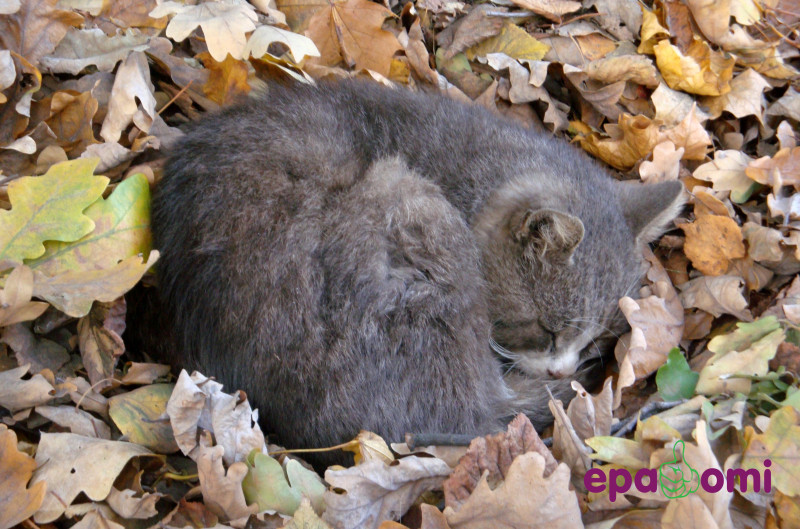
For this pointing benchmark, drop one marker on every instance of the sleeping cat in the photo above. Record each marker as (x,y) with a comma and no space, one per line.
(358,257)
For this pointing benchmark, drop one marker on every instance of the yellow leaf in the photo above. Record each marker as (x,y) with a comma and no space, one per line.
(136,414)
(227,80)
(73,292)
(780,443)
(514,42)
(651,33)
(712,241)
(633,139)
(15,298)
(17,501)
(352,31)
(48,208)
(122,229)
(691,135)
(701,71)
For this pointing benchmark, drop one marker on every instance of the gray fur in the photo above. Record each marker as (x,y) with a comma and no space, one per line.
(344,253)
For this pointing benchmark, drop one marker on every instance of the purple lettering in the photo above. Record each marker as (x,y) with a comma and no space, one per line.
(614,487)
(767,476)
(595,480)
(742,474)
(652,480)
(705,481)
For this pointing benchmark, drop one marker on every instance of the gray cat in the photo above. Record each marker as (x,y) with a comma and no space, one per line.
(351,255)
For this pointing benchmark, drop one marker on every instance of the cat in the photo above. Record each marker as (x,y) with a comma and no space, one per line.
(355,257)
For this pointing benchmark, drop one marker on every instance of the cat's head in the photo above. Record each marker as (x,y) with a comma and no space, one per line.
(556,265)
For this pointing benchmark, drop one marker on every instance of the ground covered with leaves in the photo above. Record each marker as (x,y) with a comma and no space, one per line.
(701,91)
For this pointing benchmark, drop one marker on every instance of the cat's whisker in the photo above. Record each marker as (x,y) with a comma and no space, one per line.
(596,323)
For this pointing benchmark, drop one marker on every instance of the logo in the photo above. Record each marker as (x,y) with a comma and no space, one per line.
(670,474)
(677,479)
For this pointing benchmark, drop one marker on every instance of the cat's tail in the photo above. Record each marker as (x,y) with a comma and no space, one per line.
(530,395)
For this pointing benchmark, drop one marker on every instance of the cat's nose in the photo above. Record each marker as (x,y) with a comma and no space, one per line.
(559,373)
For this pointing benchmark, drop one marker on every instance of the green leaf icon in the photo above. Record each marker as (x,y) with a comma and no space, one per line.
(670,475)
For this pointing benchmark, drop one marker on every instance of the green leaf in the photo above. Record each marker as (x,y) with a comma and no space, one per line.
(675,379)
(266,484)
(48,208)
(514,42)
(121,230)
(138,415)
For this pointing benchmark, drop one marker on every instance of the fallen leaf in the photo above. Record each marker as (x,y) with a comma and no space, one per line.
(352,31)
(763,244)
(673,106)
(75,420)
(225,24)
(630,141)
(636,68)
(72,464)
(717,295)
(15,298)
(652,32)
(690,135)
(121,230)
(139,415)
(17,394)
(222,491)
(780,443)
(368,446)
(665,165)
(621,18)
(376,491)
(198,402)
(17,501)
(305,518)
(491,456)
(126,505)
(36,29)
(96,519)
(525,495)
(48,208)
(687,512)
(131,84)
(712,241)
(591,415)
(675,379)
(74,292)
(781,169)
(788,105)
(727,173)
(551,9)
(300,46)
(144,373)
(512,41)
(465,32)
(746,97)
(267,485)
(746,351)
(81,48)
(39,352)
(700,71)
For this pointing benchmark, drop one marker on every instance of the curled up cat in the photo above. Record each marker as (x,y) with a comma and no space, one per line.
(359,257)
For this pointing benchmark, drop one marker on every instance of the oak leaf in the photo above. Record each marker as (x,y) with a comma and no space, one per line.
(629,141)
(17,501)
(137,413)
(717,295)
(727,173)
(36,29)
(351,31)
(15,298)
(699,71)
(712,241)
(780,443)
(131,84)
(92,47)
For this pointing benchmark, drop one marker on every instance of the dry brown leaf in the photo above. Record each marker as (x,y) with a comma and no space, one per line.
(763,244)
(781,169)
(17,501)
(491,457)
(591,415)
(465,32)
(128,507)
(222,491)
(636,68)
(673,106)
(665,165)
(551,9)
(227,80)
(727,173)
(712,241)
(691,136)
(652,32)
(787,106)
(351,31)
(97,519)
(131,84)
(630,141)
(100,345)
(525,495)
(17,394)
(377,491)
(70,120)
(620,18)
(144,373)
(716,295)
(76,421)
(656,327)
(72,464)
(36,29)
(15,298)
(688,512)
(712,16)
(92,47)
(746,97)
(29,348)
(699,71)
(602,97)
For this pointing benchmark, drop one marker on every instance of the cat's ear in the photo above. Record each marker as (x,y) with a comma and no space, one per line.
(649,208)
(547,231)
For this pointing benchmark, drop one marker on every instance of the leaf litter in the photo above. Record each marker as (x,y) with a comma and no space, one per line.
(701,92)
